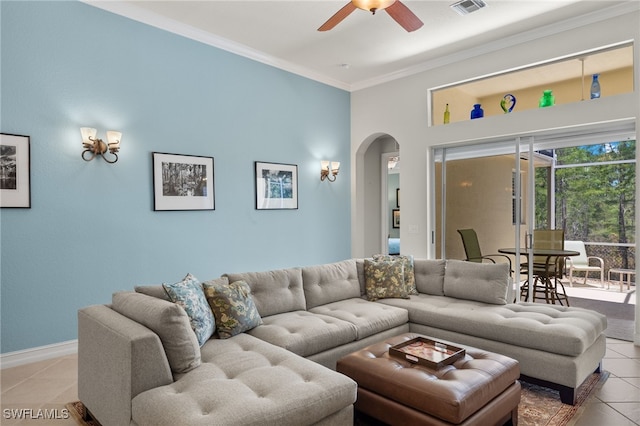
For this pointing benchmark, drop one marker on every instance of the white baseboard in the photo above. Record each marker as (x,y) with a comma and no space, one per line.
(41,353)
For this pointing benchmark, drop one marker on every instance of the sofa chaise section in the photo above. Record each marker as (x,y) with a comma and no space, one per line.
(156,374)
(246,381)
(555,345)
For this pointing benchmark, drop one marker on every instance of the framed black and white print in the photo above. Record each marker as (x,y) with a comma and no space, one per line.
(396,218)
(183,182)
(276,186)
(15,171)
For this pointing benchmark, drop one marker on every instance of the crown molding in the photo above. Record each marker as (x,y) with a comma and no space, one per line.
(527,36)
(136,13)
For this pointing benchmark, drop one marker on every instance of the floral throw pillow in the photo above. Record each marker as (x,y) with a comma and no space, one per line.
(384,279)
(232,306)
(409,271)
(188,293)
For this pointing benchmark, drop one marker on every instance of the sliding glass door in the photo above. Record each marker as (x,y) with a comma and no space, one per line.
(487,188)
(581,181)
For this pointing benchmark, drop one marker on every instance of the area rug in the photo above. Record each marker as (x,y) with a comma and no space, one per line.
(539,406)
(76,409)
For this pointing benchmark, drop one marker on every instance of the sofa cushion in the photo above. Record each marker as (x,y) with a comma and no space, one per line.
(330,283)
(169,321)
(153,290)
(305,333)
(274,292)
(429,276)
(245,381)
(385,278)
(483,282)
(408,270)
(189,294)
(232,306)
(550,328)
(369,318)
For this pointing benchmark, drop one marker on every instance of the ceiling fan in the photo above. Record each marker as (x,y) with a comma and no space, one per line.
(396,9)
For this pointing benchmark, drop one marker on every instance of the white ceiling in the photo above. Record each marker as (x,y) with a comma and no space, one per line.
(362,50)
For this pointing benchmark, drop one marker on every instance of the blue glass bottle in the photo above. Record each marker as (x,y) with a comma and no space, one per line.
(595,87)
(477,112)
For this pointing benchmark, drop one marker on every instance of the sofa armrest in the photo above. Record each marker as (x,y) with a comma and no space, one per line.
(118,358)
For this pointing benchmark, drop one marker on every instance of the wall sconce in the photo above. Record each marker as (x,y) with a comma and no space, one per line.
(328,169)
(97,147)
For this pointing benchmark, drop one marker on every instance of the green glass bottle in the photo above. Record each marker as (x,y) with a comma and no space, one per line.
(547,99)
(447,115)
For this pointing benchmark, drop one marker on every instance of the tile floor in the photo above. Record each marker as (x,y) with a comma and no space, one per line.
(49,385)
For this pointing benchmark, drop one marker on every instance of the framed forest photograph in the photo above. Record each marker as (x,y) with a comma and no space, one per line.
(15,171)
(183,182)
(276,186)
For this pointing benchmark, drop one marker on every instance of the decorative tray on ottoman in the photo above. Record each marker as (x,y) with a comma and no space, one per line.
(427,352)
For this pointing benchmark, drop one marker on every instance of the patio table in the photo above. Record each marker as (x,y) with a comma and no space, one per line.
(548,254)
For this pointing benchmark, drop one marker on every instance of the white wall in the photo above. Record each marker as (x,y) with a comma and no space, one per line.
(400,108)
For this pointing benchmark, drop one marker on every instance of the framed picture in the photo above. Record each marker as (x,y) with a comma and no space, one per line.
(276,186)
(396,218)
(398,197)
(15,171)
(182,182)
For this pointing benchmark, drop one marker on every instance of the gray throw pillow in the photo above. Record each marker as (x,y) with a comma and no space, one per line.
(153,290)
(482,282)
(169,321)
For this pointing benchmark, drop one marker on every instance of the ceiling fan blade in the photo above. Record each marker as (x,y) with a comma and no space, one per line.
(403,16)
(338,17)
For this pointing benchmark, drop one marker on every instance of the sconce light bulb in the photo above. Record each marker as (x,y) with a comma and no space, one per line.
(88,135)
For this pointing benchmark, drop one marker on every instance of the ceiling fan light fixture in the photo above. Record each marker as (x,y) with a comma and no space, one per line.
(372,5)
(465,7)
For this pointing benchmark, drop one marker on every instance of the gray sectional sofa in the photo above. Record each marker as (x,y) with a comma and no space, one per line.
(140,364)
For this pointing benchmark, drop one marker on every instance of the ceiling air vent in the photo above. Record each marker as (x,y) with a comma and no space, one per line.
(465,7)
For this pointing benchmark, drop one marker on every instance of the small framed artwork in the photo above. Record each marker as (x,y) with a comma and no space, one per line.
(276,186)
(15,171)
(398,197)
(182,182)
(396,218)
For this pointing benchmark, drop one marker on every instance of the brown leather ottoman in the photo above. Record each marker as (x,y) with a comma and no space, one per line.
(479,389)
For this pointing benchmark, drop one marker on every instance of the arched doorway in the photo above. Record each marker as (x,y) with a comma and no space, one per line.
(371,205)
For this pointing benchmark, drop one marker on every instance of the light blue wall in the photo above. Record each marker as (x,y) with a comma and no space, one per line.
(92,229)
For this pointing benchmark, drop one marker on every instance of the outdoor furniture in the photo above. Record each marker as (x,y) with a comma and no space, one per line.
(546,267)
(621,274)
(482,388)
(583,263)
(472,248)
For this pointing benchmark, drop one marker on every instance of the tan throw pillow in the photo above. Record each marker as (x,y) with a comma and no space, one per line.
(409,274)
(232,306)
(385,279)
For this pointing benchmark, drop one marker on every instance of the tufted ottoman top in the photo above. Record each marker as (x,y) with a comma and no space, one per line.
(452,393)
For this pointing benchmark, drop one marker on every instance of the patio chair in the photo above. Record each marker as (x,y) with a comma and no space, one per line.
(472,248)
(547,270)
(582,262)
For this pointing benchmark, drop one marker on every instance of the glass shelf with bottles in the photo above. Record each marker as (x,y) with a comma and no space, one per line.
(605,72)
